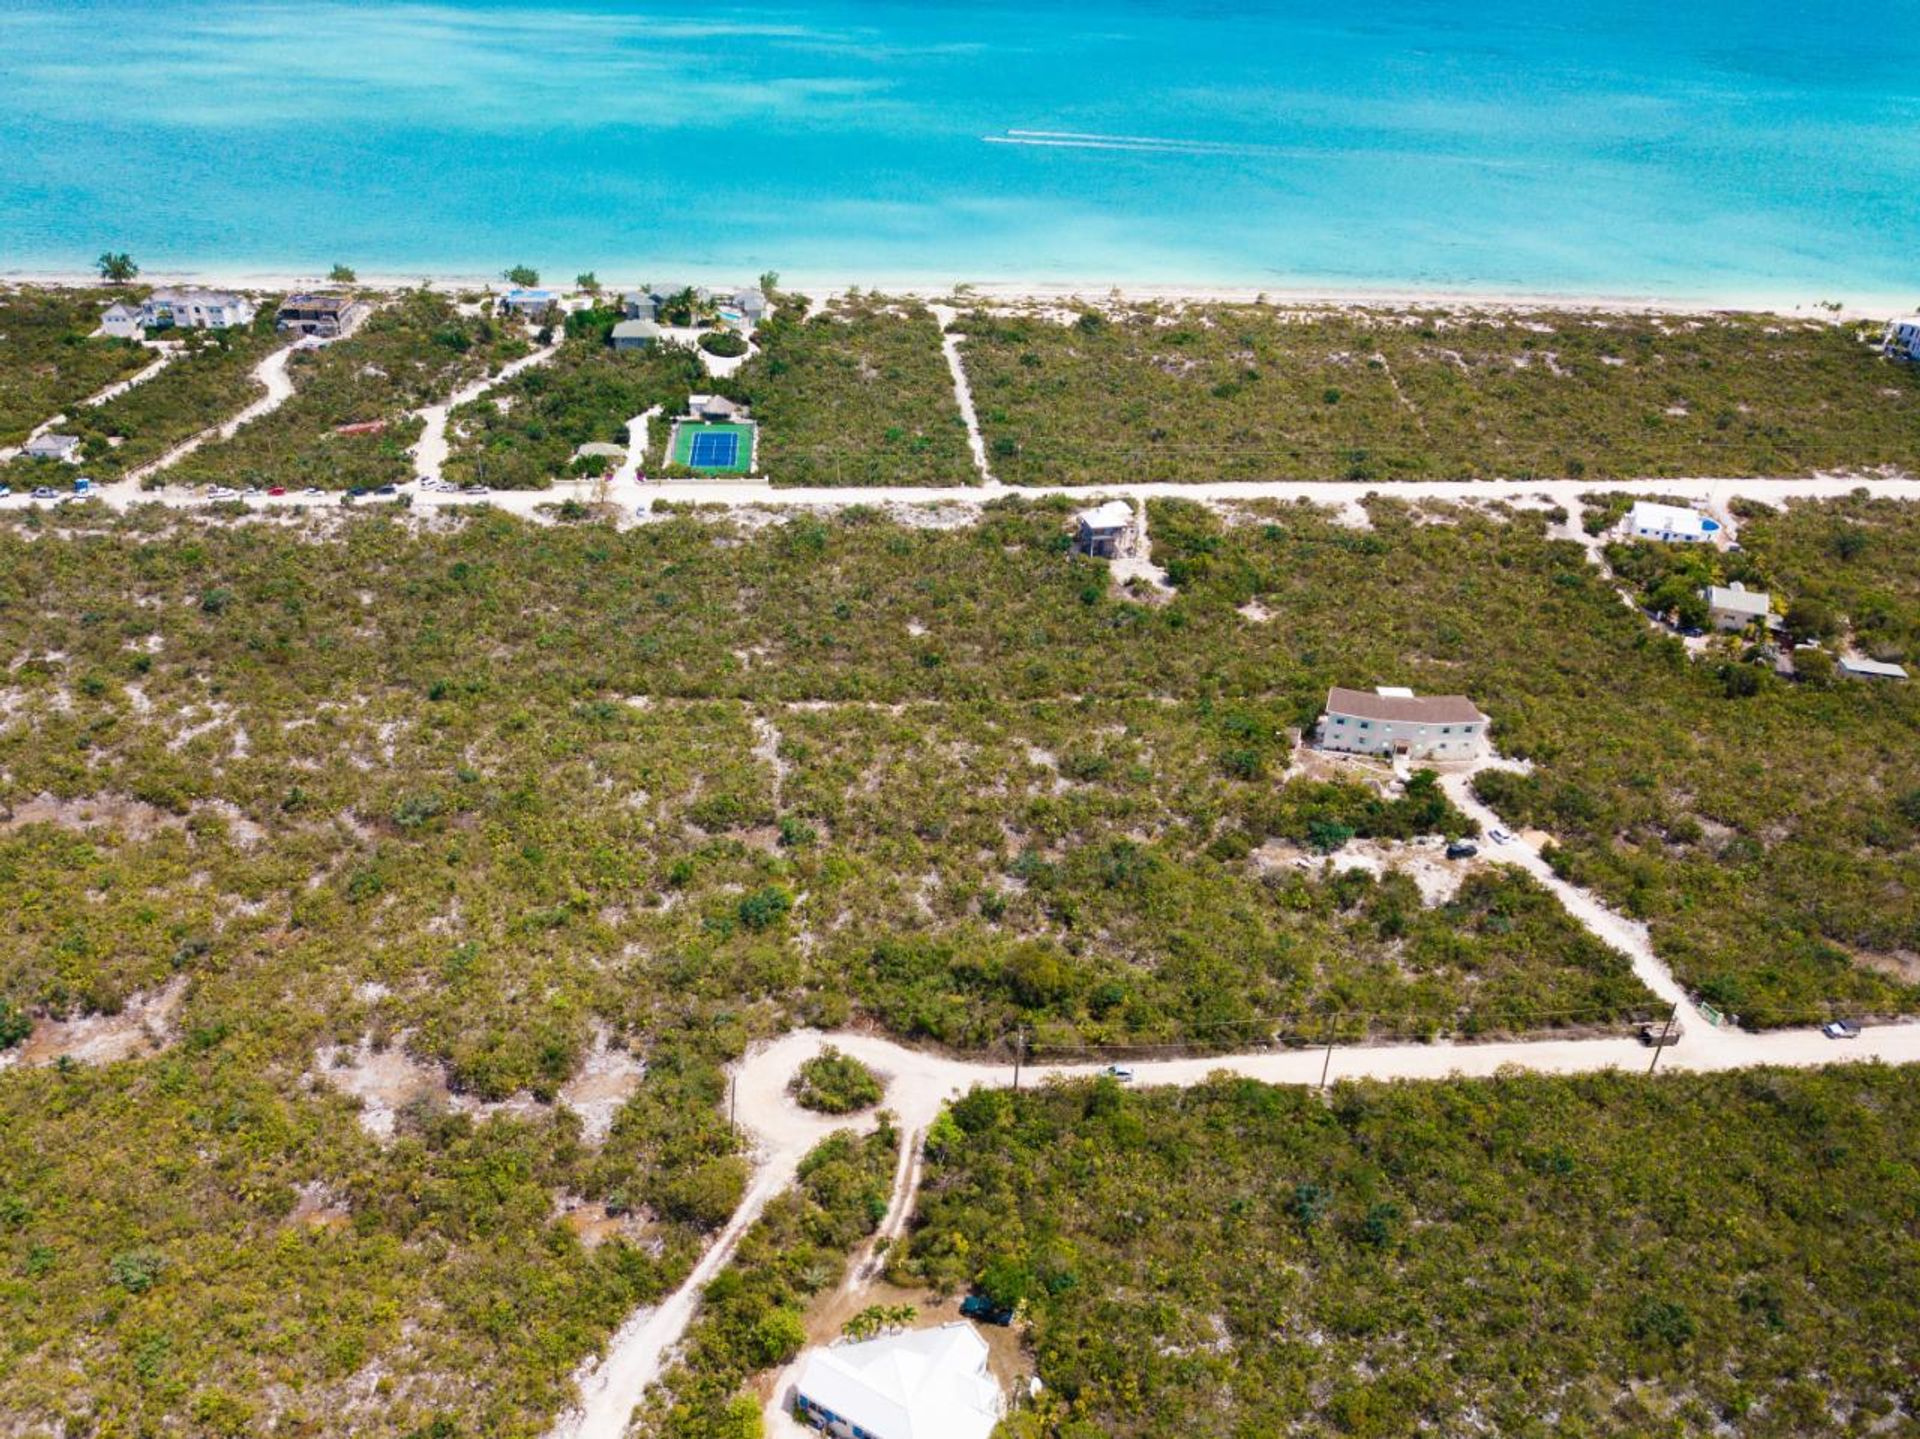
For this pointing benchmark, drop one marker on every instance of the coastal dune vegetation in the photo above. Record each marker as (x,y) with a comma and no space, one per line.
(50,357)
(350,421)
(1261,392)
(855,393)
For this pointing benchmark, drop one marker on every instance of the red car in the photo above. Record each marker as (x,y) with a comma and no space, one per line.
(277,490)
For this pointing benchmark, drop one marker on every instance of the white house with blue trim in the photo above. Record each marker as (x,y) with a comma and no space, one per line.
(1669,524)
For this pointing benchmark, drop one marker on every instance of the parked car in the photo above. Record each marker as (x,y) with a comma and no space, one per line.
(5,491)
(1500,836)
(983,1309)
(276,490)
(1119,1072)
(475,490)
(45,492)
(314,492)
(387,490)
(83,485)
(1462,849)
(1661,1032)
(1840,1029)
(222,492)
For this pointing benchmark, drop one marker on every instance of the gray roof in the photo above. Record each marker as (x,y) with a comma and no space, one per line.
(1871,669)
(1738,599)
(51,444)
(1410,709)
(636,330)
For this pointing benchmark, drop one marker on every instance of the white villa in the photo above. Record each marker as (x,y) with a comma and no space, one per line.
(1734,607)
(924,1384)
(1670,524)
(1393,721)
(1903,338)
(178,309)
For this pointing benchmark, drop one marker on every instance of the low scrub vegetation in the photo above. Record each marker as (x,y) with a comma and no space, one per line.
(836,1083)
(1524,1255)
(523,434)
(50,359)
(1252,392)
(752,1316)
(349,422)
(859,394)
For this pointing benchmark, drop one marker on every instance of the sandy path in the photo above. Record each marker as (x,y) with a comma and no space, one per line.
(118,387)
(945,315)
(430,450)
(270,374)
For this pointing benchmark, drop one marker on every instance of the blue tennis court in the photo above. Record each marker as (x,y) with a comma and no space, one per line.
(715,450)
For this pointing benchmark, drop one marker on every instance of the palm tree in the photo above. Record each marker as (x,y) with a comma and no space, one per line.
(116,268)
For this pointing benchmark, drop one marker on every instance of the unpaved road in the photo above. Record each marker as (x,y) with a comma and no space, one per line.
(430,450)
(918,1083)
(631,499)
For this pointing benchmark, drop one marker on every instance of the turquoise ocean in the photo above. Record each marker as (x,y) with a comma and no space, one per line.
(1714,149)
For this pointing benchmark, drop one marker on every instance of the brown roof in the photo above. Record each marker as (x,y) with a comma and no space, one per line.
(1421,709)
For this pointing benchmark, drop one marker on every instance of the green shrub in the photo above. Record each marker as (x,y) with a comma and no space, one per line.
(836,1083)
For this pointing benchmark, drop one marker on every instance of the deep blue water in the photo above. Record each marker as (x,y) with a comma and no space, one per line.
(1623,146)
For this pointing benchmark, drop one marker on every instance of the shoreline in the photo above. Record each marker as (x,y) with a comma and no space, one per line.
(1014,291)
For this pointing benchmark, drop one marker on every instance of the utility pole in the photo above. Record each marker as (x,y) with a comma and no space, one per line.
(1665,1032)
(1019,1053)
(733,1098)
(1327,1064)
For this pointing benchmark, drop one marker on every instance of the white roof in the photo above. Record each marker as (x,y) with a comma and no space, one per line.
(1393,692)
(1737,598)
(1877,669)
(925,1384)
(636,330)
(1649,515)
(1113,515)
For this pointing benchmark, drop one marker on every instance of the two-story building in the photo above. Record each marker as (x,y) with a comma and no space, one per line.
(178,310)
(1391,721)
(319,316)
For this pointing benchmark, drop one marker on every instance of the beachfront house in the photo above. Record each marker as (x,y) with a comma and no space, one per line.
(634,335)
(323,317)
(195,310)
(54,447)
(1859,667)
(640,305)
(122,322)
(529,304)
(744,309)
(1105,531)
(924,1384)
(1903,338)
(1734,607)
(1394,722)
(1669,524)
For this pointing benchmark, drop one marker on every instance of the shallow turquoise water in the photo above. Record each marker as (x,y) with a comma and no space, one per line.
(1715,149)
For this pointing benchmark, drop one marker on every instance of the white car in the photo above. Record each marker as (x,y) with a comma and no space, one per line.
(222,492)
(314,492)
(1119,1072)
(1500,836)
(6,491)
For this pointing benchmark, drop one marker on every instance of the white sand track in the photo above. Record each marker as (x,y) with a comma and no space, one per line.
(945,315)
(430,450)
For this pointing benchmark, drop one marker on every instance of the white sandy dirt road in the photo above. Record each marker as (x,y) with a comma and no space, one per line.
(632,500)
(430,450)
(919,1082)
